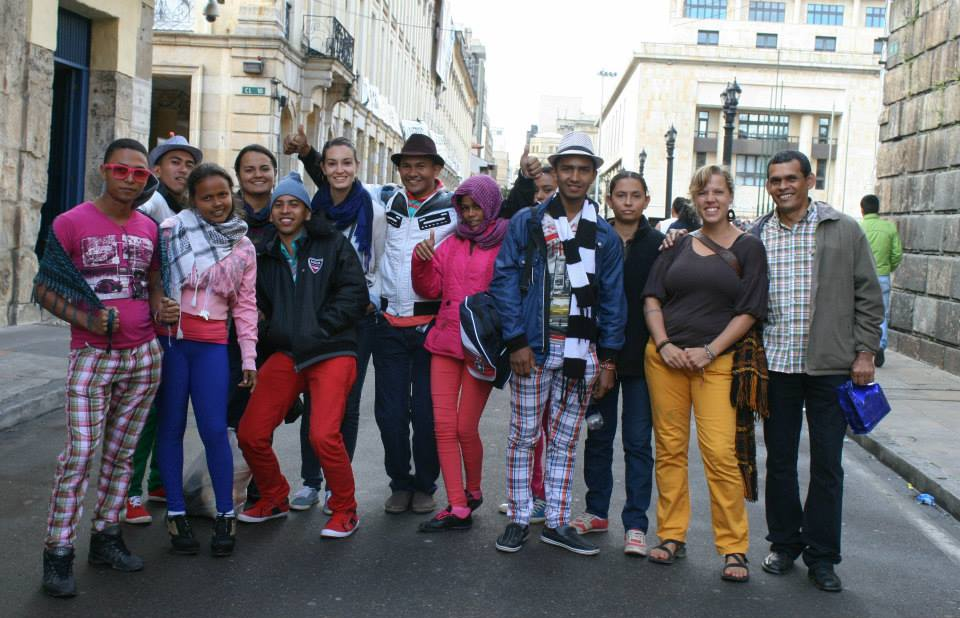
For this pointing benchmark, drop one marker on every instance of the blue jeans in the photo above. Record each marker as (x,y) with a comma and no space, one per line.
(637,453)
(885,289)
(403,399)
(309,464)
(198,371)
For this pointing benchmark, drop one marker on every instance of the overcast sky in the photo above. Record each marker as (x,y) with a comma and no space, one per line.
(537,47)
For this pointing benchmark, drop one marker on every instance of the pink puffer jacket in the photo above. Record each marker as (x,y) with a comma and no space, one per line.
(458,269)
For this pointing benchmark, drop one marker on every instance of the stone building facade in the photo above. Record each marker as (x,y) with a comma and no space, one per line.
(918,170)
(75,76)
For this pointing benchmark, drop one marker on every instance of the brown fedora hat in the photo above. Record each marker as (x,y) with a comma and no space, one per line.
(418,145)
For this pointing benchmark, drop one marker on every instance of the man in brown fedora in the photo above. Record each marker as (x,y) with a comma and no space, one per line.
(402,365)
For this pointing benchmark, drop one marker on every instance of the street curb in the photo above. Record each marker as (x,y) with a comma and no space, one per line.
(33,403)
(922,481)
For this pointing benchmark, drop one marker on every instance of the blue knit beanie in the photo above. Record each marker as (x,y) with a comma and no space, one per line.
(292,185)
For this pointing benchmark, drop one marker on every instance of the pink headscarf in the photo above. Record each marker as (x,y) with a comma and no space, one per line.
(485,192)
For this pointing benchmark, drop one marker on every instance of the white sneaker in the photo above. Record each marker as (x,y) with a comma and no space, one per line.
(635,543)
(305,498)
(326,507)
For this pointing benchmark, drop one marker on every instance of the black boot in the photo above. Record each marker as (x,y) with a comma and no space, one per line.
(58,578)
(181,536)
(224,536)
(108,549)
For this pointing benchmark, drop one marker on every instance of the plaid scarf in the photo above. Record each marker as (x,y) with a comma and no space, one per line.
(191,245)
(748,394)
(580,255)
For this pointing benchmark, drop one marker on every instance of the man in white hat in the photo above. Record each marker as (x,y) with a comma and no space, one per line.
(563,320)
(171,162)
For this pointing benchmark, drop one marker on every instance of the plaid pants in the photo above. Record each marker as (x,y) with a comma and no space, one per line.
(108,397)
(546,390)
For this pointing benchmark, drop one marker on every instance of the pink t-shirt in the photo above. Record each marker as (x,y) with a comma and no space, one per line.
(116,261)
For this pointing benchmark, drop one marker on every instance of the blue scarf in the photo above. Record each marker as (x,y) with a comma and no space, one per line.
(356,209)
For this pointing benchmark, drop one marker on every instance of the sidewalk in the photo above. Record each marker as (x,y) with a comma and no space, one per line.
(918,439)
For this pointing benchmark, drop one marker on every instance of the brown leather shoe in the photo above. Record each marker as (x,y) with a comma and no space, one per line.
(398,502)
(423,502)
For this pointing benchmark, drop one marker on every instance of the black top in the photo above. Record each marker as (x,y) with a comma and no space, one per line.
(701,294)
(521,195)
(640,254)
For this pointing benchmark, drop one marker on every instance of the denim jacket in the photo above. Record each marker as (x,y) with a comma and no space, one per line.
(524,316)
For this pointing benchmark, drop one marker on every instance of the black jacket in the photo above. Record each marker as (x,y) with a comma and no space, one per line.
(521,196)
(316,317)
(641,253)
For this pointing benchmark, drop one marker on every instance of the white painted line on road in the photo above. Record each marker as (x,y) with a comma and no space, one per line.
(941,540)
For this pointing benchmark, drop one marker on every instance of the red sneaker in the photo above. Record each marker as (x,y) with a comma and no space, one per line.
(134,512)
(263,510)
(157,495)
(341,525)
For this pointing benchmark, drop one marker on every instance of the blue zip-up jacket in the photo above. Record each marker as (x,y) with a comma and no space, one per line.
(523,317)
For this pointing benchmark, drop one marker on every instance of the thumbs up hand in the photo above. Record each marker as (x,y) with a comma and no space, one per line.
(297,143)
(529,166)
(424,249)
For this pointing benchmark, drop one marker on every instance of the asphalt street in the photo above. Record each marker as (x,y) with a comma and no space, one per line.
(900,558)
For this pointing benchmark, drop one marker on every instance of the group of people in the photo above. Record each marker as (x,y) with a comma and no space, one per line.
(262,303)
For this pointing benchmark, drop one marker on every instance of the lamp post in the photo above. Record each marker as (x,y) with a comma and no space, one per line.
(730,98)
(643,161)
(603,74)
(671,137)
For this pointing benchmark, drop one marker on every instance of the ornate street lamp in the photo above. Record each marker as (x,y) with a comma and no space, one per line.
(730,98)
(671,137)
(643,160)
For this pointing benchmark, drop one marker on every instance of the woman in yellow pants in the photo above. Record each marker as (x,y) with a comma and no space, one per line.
(699,302)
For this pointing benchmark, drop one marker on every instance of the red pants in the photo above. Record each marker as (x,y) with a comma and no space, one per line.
(458,401)
(278,385)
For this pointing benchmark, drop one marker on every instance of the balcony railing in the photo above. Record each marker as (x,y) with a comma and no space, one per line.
(325,37)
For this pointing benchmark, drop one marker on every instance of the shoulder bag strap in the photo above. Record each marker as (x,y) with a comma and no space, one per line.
(727,255)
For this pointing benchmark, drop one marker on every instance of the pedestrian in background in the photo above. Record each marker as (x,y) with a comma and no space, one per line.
(701,298)
(356,211)
(628,197)
(312,293)
(823,328)
(563,327)
(103,250)
(887,254)
(210,268)
(461,266)
(687,217)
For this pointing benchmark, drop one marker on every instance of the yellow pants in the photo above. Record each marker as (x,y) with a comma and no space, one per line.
(672,392)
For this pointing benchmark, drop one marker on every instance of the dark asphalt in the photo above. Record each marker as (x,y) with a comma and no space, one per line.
(901,559)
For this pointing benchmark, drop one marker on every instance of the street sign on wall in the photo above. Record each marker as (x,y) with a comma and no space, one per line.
(257,90)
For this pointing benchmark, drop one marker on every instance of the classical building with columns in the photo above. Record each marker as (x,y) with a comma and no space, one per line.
(810,79)
(370,70)
(76,76)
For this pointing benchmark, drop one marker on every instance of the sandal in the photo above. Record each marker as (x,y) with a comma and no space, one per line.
(735,561)
(679,550)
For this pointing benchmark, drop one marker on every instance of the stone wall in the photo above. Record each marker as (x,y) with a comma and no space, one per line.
(918,171)
(26,78)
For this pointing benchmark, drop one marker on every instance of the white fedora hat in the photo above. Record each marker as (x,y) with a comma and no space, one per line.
(577,144)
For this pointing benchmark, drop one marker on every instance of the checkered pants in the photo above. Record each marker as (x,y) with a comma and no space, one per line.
(108,397)
(566,401)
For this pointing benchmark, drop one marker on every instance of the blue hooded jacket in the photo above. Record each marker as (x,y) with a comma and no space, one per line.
(523,316)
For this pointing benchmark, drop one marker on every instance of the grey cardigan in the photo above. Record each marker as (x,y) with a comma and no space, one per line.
(846,305)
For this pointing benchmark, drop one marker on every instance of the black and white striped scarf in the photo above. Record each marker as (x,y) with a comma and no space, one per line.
(580,256)
(193,245)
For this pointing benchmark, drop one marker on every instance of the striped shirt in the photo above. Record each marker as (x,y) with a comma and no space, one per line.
(790,254)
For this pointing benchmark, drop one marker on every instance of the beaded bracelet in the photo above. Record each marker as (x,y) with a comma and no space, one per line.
(662,344)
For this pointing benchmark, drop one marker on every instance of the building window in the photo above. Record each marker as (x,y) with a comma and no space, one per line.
(763,126)
(766,41)
(701,159)
(878,45)
(767,11)
(287,19)
(703,124)
(821,174)
(825,14)
(876,17)
(823,131)
(751,170)
(708,37)
(705,9)
(825,44)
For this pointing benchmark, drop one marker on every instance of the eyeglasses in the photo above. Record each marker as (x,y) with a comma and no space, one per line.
(120,171)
